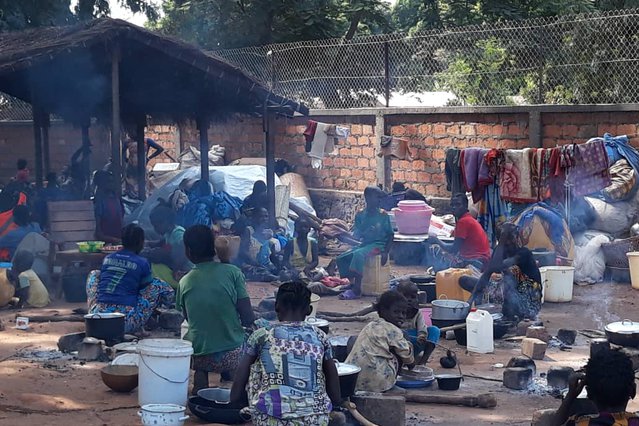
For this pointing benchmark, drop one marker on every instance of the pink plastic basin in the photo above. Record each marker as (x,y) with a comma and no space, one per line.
(413,218)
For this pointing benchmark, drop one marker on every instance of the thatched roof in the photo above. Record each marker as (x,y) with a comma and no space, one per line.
(68,71)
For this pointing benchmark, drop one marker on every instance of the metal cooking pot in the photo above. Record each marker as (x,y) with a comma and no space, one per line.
(107,326)
(623,333)
(450,310)
(322,324)
(348,374)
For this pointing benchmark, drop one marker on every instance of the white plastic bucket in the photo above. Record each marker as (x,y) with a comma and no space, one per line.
(184,328)
(542,272)
(558,283)
(633,261)
(479,332)
(164,371)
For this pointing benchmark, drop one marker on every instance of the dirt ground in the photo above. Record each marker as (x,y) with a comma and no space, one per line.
(70,392)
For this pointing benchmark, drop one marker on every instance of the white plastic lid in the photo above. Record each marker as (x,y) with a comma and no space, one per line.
(171,348)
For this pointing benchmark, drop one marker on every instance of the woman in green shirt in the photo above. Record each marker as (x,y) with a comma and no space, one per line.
(215,302)
(374,233)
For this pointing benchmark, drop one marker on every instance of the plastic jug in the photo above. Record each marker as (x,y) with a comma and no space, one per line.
(447,284)
(479,332)
(376,277)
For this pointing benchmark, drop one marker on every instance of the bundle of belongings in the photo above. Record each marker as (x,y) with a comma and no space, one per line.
(503,181)
(391,146)
(321,139)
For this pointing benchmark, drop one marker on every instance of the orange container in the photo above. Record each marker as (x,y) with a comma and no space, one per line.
(447,284)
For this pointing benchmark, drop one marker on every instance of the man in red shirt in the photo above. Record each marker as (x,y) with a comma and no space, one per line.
(469,247)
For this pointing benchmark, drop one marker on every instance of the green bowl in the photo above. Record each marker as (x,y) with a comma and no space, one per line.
(90,246)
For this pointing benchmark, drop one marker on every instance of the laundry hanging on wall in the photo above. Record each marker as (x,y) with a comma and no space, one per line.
(391,146)
(321,139)
(514,178)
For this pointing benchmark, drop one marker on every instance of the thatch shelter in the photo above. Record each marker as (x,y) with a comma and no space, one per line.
(120,74)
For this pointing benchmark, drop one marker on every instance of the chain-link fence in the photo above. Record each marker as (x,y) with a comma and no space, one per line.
(576,59)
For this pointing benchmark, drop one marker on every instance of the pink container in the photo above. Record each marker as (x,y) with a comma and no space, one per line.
(426,313)
(413,217)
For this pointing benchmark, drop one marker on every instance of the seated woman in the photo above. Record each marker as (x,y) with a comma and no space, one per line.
(215,303)
(373,231)
(302,251)
(124,284)
(12,239)
(470,247)
(288,370)
(518,288)
(381,348)
(167,256)
(258,249)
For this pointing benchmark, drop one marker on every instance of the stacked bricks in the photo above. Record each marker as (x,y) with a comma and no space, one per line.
(353,168)
(568,128)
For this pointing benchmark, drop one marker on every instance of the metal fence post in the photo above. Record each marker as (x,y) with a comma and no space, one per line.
(386,73)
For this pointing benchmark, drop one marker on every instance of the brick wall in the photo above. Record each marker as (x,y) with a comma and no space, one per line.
(16,141)
(429,135)
(355,166)
(561,129)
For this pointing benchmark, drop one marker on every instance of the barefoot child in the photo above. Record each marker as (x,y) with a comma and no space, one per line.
(302,253)
(381,348)
(29,288)
(293,379)
(422,337)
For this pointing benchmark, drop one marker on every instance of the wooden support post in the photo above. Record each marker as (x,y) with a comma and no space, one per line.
(203,128)
(37,139)
(534,129)
(116,143)
(269,145)
(140,126)
(384,174)
(86,150)
(46,123)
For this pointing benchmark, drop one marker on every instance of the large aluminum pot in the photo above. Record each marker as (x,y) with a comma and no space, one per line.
(450,310)
(623,333)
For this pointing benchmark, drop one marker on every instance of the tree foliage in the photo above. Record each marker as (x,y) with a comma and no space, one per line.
(216,24)
(22,14)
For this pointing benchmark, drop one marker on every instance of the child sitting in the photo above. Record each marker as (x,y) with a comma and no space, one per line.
(29,288)
(293,379)
(609,380)
(423,338)
(381,348)
(302,253)
(167,257)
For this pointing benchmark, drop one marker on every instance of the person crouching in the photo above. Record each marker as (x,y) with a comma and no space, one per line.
(381,348)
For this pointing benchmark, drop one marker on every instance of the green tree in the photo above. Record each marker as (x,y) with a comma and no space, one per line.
(216,24)
(22,14)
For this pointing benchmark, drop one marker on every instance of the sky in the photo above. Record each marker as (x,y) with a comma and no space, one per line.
(120,12)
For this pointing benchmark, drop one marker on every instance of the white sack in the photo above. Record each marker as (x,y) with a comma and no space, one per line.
(590,263)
